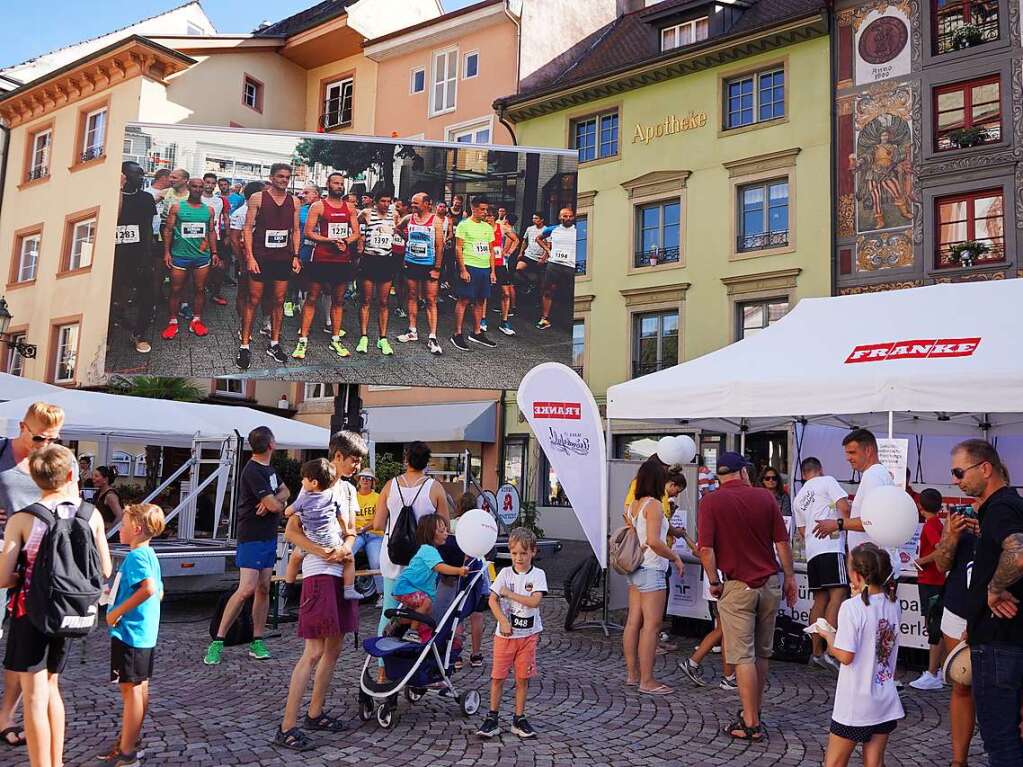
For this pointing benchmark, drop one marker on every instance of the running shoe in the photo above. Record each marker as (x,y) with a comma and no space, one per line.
(458,341)
(244,358)
(265,330)
(927,681)
(543,323)
(385,347)
(215,651)
(142,346)
(289,309)
(300,347)
(506,328)
(489,728)
(401,313)
(275,352)
(339,348)
(126,760)
(328,329)
(185,312)
(433,346)
(482,339)
(521,728)
(196,326)
(170,332)
(411,336)
(363,346)
(258,650)
(692,670)
(219,300)
(496,310)
(483,325)
(728,683)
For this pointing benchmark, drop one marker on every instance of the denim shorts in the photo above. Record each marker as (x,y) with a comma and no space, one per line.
(647,579)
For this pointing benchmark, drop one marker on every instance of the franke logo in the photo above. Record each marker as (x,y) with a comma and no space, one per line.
(569,410)
(928,348)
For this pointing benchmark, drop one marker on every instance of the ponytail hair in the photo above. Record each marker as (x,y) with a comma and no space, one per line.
(109,473)
(874,566)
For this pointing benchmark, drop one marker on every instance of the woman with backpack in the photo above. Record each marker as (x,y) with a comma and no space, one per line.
(647,584)
(31,551)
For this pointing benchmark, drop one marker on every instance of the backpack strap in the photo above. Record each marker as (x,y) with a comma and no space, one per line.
(3,448)
(43,513)
(85,511)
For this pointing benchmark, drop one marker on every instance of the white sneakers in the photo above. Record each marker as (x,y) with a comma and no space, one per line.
(928,681)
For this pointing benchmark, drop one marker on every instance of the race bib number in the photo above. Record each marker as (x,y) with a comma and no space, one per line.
(482,249)
(381,238)
(276,238)
(398,240)
(337,230)
(522,623)
(127,235)
(417,248)
(193,230)
(562,257)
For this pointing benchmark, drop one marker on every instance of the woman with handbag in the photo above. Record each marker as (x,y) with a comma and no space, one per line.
(647,584)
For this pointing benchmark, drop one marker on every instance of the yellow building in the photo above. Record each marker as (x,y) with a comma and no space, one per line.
(704,192)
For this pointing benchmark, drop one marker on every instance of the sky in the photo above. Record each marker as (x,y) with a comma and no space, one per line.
(29,29)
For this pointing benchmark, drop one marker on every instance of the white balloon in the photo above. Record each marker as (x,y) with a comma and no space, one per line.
(686,447)
(889,516)
(673,450)
(665,447)
(476,533)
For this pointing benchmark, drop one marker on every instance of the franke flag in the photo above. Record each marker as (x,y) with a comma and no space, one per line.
(929,348)
(570,434)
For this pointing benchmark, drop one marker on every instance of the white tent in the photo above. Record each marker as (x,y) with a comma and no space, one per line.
(944,359)
(16,387)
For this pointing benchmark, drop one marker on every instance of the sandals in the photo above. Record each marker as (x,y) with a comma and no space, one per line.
(294,739)
(324,723)
(752,734)
(661,689)
(19,737)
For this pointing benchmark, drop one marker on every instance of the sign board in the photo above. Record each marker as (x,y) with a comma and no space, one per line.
(508,505)
(488,502)
(893,454)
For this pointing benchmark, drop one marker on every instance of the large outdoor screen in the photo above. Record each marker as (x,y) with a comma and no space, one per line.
(392,262)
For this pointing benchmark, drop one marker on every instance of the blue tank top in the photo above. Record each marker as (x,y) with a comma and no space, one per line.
(420,246)
(305,253)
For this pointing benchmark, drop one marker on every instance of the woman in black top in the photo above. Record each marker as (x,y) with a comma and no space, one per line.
(771,480)
(107,501)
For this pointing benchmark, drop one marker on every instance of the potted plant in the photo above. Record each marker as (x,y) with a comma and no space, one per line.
(529,516)
(968,137)
(966,36)
(966,253)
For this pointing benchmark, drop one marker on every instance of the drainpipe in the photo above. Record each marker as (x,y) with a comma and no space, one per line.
(3,165)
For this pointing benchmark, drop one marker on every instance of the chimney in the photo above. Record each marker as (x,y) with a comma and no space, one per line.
(629,6)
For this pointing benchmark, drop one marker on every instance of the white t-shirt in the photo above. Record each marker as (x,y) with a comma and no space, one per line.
(418,497)
(525,620)
(345,497)
(217,203)
(866,693)
(818,500)
(238,217)
(876,476)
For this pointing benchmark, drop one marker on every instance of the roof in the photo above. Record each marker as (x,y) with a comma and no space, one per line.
(632,40)
(447,17)
(303,20)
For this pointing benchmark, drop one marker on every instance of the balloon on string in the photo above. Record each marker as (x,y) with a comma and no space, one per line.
(889,516)
(476,533)
(686,447)
(673,450)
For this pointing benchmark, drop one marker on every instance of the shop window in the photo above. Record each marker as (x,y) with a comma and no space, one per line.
(655,342)
(971,229)
(967,114)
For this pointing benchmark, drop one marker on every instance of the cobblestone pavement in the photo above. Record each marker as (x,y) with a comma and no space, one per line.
(226,715)
(411,364)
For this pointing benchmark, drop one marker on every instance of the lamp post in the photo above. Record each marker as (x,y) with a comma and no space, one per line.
(28,351)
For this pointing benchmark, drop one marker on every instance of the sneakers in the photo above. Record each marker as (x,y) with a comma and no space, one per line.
(300,349)
(219,300)
(244,358)
(820,662)
(214,653)
(458,341)
(258,650)
(289,309)
(114,753)
(363,346)
(728,683)
(266,330)
(476,661)
(482,339)
(483,325)
(489,728)
(410,337)
(185,312)
(716,649)
(543,323)
(276,353)
(693,671)
(171,331)
(506,328)
(339,348)
(142,346)
(125,760)
(196,326)
(401,313)
(385,347)
(433,346)
(521,728)
(927,681)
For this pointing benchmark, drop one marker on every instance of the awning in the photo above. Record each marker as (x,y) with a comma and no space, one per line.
(448,422)
(16,387)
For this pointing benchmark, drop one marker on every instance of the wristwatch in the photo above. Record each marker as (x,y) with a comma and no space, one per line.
(841,524)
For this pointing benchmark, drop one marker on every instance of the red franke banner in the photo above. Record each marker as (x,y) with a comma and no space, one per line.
(926,348)
(571,411)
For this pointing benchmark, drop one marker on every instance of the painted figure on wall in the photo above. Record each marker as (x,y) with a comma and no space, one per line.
(884,177)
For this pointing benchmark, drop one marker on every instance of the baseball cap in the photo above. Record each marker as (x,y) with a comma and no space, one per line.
(731,462)
(366,473)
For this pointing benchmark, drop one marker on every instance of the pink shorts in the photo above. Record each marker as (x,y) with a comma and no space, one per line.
(323,611)
(414,601)
(520,653)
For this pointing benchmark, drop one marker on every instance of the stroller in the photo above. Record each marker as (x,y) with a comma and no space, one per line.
(416,668)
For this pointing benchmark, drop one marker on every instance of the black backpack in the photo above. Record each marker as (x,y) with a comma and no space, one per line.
(66,582)
(241,630)
(401,540)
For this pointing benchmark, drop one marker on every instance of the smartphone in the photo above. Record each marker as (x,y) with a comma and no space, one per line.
(965,510)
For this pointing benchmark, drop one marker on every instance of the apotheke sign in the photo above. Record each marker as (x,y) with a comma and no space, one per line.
(671,125)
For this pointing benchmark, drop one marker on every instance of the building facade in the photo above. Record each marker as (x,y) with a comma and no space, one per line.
(928,145)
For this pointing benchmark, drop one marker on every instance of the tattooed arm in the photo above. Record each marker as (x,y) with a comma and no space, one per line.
(1009,571)
(944,552)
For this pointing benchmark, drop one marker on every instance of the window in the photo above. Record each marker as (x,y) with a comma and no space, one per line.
(658,229)
(15,363)
(635,447)
(39,160)
(418,80)
(82,239)
(515,460)
(28,257)
(252,93)
(754,98)
(65,353)
(551,492)
(960,24)
(192,30)
(95,134)
(477,134)
(581,236)
(686,33)
(970,229)
(578,346)
(319,391)
(596,137)
(763,216)
(337,104)
(122,461)
(655,342)
(757,315)
(471,67)
(445,82)
(967,114)
(229,387)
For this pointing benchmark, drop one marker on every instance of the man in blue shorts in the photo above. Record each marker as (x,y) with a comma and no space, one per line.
(474,252)
(261,500)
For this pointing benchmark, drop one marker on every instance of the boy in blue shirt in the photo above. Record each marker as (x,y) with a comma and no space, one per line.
(134,620)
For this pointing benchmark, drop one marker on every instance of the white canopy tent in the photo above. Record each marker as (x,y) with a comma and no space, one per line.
(16,387)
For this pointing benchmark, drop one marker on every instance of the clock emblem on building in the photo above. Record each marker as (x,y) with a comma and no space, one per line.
(883,40)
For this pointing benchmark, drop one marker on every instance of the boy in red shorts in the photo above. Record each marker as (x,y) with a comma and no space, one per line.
(515,602)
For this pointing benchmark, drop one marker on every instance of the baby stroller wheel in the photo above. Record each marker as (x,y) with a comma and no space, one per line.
(365,708)
(414,694)
(387,717)
(470,702)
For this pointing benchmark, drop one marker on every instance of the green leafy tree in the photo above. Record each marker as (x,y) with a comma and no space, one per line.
(354,157)
(387,468)
(289,470)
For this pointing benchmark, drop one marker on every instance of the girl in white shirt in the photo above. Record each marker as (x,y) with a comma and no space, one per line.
(867,706)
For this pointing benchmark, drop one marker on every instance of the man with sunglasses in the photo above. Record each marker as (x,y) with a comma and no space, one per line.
(994,623)
(39,428)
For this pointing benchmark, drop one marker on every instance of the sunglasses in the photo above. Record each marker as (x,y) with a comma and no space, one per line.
(769,478)
(960,473)
(39,439)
